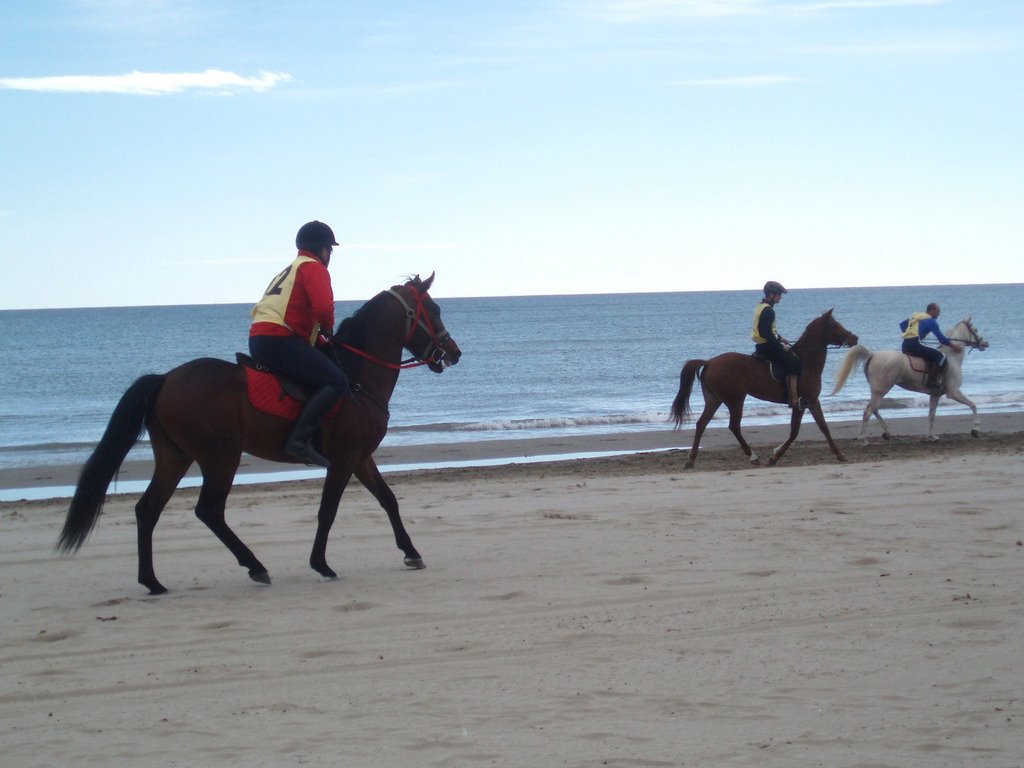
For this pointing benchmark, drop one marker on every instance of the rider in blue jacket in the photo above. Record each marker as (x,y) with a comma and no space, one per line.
(915,328)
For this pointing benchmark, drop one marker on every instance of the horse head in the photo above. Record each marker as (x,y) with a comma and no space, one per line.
(424,334)
(426,337)
(827,331)
(965,332)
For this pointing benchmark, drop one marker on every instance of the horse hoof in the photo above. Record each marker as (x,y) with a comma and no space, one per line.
(772,461)
(688,465)
(416,563)
(156,588)
(975,433)
(261,577)
(885,436)
(841,458)
(325,570)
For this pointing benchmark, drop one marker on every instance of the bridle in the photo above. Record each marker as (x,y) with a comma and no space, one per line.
(976,341)
(415,318)
(830,323)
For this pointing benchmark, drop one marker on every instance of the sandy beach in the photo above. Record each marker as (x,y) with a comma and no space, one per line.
(615,611)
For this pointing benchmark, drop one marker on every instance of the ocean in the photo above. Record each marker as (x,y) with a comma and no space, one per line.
(531,365)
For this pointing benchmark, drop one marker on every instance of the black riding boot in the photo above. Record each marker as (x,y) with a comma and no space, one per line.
(794,397)
(299,443)
(935,371)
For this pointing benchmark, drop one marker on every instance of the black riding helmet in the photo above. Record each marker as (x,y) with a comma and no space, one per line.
(313,236)
(773,287)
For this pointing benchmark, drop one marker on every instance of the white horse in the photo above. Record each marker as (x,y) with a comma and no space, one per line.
(889,368)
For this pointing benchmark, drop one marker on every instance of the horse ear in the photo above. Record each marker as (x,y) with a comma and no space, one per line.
(425,287)
(829,313)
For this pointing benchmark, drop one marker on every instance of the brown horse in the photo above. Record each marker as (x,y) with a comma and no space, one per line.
(200,412)
(730,377)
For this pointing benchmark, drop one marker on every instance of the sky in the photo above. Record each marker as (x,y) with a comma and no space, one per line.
(166,151)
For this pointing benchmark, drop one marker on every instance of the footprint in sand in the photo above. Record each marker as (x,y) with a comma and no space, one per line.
(46,636)
(356,606)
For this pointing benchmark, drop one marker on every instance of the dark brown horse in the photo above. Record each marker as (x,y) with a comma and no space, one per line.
(730,377)
(200,412)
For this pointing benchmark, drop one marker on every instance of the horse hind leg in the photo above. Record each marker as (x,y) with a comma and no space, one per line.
(170,465)
(711,405)
(872,408)
(210,507)
(735,417)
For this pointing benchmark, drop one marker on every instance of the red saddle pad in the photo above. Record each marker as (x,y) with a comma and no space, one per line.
(266,394)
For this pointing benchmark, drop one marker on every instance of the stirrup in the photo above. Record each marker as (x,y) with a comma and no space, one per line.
(307,454)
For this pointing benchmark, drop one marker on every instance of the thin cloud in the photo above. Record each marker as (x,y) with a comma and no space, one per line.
(873,49)
(749,81)
(344,247)
(399,246)
(148,83)
(839,4)
(657,10)
(410,87)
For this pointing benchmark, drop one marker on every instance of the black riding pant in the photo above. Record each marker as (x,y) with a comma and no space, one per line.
(297,359)
(931,354)
(789,362)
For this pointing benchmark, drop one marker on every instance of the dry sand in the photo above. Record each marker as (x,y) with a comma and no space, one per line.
(617,611)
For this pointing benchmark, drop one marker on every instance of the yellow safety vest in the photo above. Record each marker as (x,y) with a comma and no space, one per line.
(915,320)
(757,318)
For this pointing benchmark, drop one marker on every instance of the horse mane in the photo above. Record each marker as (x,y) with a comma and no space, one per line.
(806,338)
(353,331)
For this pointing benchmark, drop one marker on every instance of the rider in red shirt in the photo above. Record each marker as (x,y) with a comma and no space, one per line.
(296,310)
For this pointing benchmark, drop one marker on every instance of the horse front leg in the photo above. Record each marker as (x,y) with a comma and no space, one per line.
(819,419)
(330,498)
(794,429)
(369,475)
(960,397)
(933,405)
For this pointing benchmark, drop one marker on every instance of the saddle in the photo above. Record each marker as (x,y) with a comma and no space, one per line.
(917,364)
(777,371)
(271,392)
(920,365)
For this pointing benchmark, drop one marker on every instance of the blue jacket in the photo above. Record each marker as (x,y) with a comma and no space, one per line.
(926,326)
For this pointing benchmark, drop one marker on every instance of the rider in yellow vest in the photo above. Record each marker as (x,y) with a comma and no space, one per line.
(295,312)
(915,328)
(769,345)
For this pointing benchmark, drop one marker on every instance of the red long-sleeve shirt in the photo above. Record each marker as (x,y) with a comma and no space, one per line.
(299,301)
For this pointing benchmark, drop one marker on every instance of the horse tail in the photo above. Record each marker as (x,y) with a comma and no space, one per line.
(681,412)
(124,429)
(850,363)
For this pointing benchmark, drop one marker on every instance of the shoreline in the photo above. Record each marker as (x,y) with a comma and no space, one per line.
(718,448)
